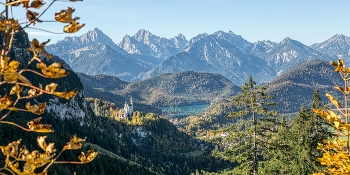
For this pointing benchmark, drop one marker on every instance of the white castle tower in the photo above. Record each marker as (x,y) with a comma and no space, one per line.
(128,110)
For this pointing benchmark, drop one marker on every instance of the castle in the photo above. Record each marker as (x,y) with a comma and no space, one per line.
(127,111)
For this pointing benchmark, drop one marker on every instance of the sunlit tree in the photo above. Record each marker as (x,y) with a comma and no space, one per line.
(336,151)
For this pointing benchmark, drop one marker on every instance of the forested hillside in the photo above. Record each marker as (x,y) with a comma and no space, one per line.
(293,88)
(185,88)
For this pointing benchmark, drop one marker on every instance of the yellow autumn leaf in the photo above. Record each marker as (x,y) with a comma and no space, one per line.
(74,143)
(333,100)
(11,77)
(5,102)
(88,157)
(36,47)
(35,109)
(54,70)
(16,89)
(37,4)
(339,89)
(334,64)
(51,87)
(32,17)
(65,16)
(35,126)
(337,124)
(12,149)
(35,92)
(340,66)
(322,113)
(66,95)
(73,27)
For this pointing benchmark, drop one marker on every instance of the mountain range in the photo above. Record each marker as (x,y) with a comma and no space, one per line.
(146,55)
(221,62)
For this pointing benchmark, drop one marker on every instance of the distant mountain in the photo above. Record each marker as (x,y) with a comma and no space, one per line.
(287,54)
(222,53)
(146,55)
(335,47)
(260,48)
(102,86)
(296,86)
(95,53)
(235,40)
(146,44)
(92,37)
(180,89)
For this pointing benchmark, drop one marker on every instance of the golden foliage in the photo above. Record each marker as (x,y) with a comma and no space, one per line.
(74,143)
(73,27)
(336,152)
(54,70)
(35,125)
(65,16)
(88,157)
(19,160)
(9,24)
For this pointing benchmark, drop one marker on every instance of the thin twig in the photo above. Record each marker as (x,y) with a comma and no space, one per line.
(52,161)
(45,30)
(29,62)
(70,162)
(14,124)
(31,86)
(40,14)
(33,71)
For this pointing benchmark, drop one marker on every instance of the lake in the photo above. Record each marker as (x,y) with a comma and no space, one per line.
(183,111)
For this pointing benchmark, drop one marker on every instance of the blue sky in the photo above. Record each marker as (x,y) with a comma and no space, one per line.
(308,21)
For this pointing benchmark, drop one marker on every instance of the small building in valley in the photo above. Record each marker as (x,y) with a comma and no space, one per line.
(127,111)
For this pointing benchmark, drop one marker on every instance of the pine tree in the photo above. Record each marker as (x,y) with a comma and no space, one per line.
(254,123)
(294,149)
(308,129)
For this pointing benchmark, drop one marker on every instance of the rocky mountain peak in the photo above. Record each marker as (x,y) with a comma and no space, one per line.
(180,41)
(144,36)
(180,35)
(336,39)
(94,36)
(236,40)
(336,47)
(231,33)
(262,47)
(288,40)
(285,40)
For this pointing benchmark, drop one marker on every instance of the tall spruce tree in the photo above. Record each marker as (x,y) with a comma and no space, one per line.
(254,125)
(294,149)
(308,129)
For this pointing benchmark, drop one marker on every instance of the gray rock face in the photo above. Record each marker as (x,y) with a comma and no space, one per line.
(75,107)
(147,44)
(223,53)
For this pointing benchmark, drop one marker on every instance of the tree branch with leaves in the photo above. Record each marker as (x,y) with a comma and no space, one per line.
(336,151)
(18,159)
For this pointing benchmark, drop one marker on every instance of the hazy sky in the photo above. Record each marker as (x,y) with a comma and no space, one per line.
(308,21)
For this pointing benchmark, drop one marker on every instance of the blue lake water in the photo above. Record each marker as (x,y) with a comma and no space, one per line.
(183,111)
